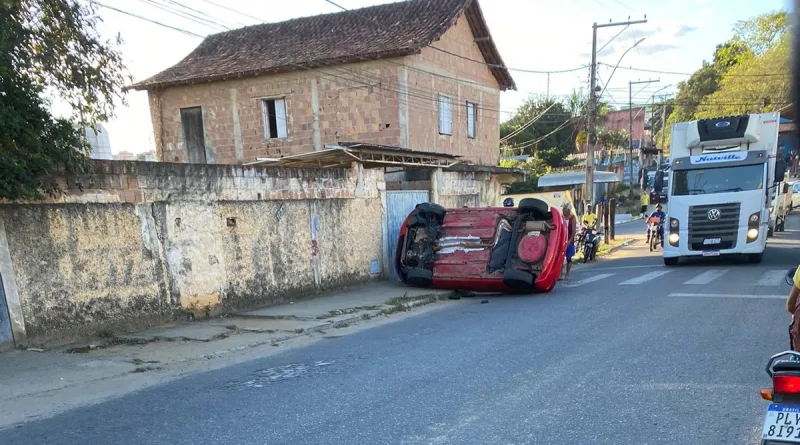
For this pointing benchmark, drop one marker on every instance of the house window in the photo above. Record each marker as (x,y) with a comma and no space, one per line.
(472,112)
(273,114)
(445,115)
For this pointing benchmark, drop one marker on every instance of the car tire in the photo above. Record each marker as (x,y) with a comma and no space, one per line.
(531,205)
(755,258)
(671,261)
(419,277)
(518,280)
(429,208)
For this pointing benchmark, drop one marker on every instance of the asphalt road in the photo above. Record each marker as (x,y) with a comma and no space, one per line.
(627,352)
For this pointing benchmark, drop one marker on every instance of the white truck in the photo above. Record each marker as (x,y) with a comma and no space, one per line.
(722,185)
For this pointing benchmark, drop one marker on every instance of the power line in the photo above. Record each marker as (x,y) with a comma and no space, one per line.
(189,8)
(237,12)
(148,20)
(203,22)
(490,65)
(689,74)
(527,124)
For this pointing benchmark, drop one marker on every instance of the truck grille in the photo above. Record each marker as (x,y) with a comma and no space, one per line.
(726,228)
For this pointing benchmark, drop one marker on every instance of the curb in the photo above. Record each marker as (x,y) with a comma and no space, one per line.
(625,243)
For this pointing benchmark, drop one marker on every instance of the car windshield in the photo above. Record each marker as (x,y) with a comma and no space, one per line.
(718,180)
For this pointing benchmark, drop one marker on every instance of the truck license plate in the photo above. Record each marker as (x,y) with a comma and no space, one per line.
(782,423)
(710,241)
(711,253)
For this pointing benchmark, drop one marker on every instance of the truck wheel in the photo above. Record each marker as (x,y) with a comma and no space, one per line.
(419,277)
(755,258)
(671,261)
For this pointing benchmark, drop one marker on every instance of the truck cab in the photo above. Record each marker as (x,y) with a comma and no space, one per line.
(722,184)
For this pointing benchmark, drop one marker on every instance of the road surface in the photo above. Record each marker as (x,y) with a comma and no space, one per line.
(627,352)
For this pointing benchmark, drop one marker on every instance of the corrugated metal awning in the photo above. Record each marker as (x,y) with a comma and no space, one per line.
(575,178)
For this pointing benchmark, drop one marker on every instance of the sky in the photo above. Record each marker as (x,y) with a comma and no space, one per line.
(540,35)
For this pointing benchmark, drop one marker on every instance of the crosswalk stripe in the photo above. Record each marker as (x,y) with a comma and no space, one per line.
(776,297)
(707,276)
(590,279)
(772,278)
(645,278)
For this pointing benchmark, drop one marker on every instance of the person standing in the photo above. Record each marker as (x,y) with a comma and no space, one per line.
(645,200)
(569,217)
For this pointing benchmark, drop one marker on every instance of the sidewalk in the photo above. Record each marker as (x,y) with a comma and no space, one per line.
(39,384)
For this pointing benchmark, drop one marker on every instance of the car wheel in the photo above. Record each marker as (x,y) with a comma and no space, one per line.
(518,279)
(419,277)
(755,258)
(429,208)
(531,205)
(671,261)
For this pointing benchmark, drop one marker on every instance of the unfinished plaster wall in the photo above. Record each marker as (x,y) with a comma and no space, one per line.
(198,239)
(83,269)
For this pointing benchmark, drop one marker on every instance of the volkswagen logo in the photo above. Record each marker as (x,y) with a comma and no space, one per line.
(713,215)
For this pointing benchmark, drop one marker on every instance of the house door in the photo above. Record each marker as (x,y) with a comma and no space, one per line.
(398,205)
(5,321)
(192,121)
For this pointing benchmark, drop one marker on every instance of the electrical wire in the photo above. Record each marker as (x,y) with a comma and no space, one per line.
(490,65)
(203,22)
(645,70)
(147,20)
(235,11)
(527,124)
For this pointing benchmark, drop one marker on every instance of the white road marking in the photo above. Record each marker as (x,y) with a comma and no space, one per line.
(588,280)
(772,278)
(707,276)
(727,296)
(645,278)
(594,269)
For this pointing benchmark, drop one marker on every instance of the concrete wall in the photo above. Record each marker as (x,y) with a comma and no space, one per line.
(199,239)
(390,102)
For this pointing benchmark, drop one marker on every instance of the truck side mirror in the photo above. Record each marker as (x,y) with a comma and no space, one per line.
(780,170)
(658,181)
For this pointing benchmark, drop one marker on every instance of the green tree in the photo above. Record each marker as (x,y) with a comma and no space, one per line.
(534,169)
(758,84)
(50,45)
(763,32)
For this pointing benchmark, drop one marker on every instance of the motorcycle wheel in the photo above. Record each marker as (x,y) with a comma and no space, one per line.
(653,241)
(586,255)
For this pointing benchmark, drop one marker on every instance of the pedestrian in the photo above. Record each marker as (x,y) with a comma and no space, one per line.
(791,306)
(569,216)
(645,199)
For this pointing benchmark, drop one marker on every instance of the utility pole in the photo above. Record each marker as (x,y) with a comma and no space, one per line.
(592,136)
(663,128)
(548,86)
(630,127)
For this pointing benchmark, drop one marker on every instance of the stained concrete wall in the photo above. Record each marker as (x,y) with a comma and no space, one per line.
(199,239)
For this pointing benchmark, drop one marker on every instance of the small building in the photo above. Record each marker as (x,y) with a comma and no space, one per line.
(418,74)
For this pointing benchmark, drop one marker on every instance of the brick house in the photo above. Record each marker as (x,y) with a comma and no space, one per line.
(419,74)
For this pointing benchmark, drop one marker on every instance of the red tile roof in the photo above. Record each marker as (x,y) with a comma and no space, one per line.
(376,32)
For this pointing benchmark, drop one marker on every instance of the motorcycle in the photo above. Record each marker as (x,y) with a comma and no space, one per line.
(590,244)
(580,238)
(655,233)
(782,421)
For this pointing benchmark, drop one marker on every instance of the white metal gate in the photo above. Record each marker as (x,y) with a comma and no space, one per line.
(398,205)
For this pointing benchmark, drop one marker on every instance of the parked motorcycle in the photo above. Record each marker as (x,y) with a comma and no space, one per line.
(580,238)
(590,244)
(654,226)
(782,421)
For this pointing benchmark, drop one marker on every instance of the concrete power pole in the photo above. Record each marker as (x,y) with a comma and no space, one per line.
(630,128)
(591,117)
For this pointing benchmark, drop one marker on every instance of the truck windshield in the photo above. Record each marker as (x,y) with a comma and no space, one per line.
(718,180)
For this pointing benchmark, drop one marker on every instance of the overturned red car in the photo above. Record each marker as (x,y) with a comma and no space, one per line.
(489,249)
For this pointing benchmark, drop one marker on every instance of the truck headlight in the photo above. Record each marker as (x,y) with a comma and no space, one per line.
(674,238)
(754,218)
(673,223)
(752,234)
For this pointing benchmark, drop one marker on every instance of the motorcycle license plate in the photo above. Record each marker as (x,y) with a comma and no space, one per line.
(711,253)
(782,423)
(711,241)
